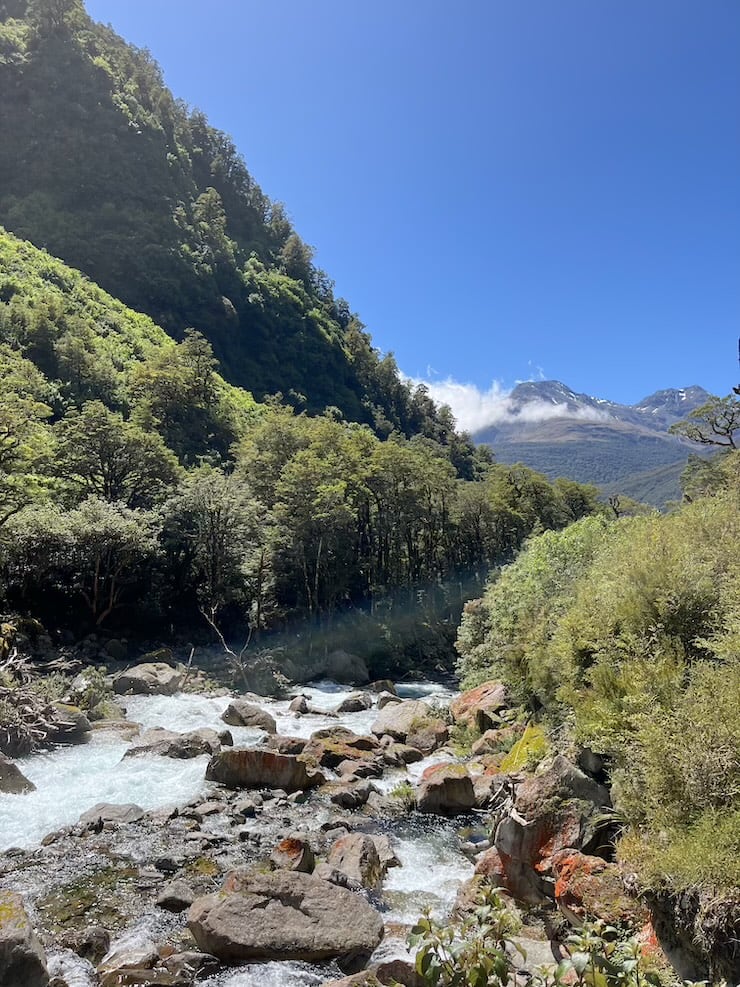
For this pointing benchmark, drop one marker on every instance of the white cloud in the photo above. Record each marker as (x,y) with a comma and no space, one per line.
(476,409)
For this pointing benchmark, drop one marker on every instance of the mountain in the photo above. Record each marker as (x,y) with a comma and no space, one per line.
(593,440)
(103,167)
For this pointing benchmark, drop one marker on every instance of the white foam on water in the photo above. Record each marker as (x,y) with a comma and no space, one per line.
(73,779)
(433,868)
(272,974)
(73,970)
(185,711)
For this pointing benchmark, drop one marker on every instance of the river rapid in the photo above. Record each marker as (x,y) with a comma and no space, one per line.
(71,780)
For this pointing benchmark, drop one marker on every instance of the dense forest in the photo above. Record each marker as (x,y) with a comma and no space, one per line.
(139,487)
(104,168)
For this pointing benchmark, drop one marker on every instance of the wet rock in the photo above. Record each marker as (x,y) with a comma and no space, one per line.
(12,779)
(248,807)
(397,754)
(285,916)
(332,746)
(356,855)
(360,769)
(479,707)
(351,795)
(293,853)
(428,736)
(190,963)
(386,853)
(167,743)
(69,724)
(149,679)
(240,713)
(91,943)
(176,897)
(386,698)
(356,702)
(299,705)
(106,812)
(381,975)
(226,738)
(384,686)
(446,789)
(589,887)
(285,745)
(241,767)
(22,959)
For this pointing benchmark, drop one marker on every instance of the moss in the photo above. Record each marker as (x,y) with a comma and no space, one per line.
(528,751)
(203,867)
(95,899)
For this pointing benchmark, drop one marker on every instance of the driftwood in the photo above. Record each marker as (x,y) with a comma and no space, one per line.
(27,720)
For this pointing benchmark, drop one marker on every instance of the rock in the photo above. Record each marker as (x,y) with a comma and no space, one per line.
(399,719)
(390,972)
(148,679)
(190,962)
(12,779)
(332,746)
(241,767)
(285,745)
(356,702)
(396,753)
(69,724)
(556,810)
(105,812)
(351,795)
(346,668)
(91,943)
(285,916)
(129,962)
(356,855)
(167,743)
(293,853)
(226,738)
(385,698)
(497,741)
(299,705)
(116,650)
(589,887)
(446,789)
(243,714)
(386,853)
(591,763)
(384,686)
(428,736)
(176,897)
(22,959)
(360,769)
(478,707)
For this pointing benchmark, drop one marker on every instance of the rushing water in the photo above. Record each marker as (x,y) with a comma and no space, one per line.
(73,779)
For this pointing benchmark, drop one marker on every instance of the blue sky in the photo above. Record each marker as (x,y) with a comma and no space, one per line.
(502,189)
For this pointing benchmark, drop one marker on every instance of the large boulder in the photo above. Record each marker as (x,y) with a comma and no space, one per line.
(149,679)
(331,746)
(560,809)
(479,707)
(240,713)
(356,855)
(398,720)
(446,789)
(285,916)
(589,887)
(22,959)
(12,779)
(355,702)
(241,767)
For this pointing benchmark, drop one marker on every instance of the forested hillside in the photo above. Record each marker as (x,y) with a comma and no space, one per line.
(102,166)
(140,490)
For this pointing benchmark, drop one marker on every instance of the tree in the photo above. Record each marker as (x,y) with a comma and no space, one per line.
(714,423)
(103,455)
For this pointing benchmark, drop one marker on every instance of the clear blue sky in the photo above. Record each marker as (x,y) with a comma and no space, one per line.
(500,188)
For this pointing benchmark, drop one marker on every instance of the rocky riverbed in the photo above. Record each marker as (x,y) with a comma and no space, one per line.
(235,840)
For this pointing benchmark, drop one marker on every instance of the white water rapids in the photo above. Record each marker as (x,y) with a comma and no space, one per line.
(71,780)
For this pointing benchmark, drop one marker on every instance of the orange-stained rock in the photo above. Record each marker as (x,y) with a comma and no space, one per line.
(293,853)
(241,767)
(590,887)
(478,707)
(446,789)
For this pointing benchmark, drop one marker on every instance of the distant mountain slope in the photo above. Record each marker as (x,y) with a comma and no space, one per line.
(593,440)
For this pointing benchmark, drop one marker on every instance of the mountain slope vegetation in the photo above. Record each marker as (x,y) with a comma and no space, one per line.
(102,166)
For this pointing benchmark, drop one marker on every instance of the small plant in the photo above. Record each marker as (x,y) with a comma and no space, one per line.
(474,953)
(405,793)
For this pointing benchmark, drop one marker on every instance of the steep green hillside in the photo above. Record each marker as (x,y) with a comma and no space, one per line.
(102,166)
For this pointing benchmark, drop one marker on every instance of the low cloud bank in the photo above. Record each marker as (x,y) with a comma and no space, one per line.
(476,409)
